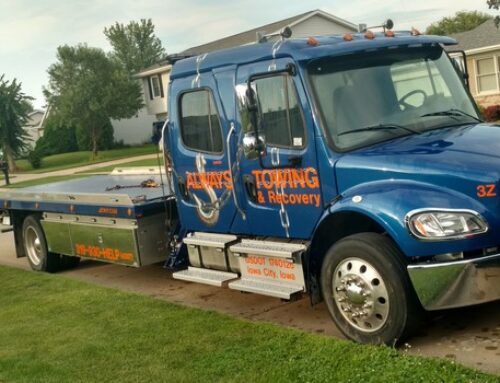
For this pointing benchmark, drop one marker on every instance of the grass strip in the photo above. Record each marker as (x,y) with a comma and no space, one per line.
(75,159)
(54,329)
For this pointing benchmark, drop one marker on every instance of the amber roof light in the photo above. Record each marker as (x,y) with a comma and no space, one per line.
(312,41)
(369,35)
(348,37)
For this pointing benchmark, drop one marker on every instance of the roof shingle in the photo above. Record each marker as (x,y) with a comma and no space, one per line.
(250,36)
(485,35)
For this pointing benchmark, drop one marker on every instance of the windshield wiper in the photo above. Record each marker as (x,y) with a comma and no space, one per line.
(453,112)
(379,127)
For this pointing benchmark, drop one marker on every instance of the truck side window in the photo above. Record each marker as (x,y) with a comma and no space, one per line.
(280,112)
(200,124)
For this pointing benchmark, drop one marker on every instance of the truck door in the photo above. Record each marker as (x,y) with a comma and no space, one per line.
(280,191)
(199,127)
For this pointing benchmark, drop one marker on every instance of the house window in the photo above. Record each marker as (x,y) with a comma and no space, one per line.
(200,123)
(280,112)
(155,87)
(486,75)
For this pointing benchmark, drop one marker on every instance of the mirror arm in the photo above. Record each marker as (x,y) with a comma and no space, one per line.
(464,58)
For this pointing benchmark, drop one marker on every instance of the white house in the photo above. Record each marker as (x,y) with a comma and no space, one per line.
(34,126)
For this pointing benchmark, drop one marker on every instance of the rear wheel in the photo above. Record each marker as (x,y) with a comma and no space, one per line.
(367,290)
(35,247)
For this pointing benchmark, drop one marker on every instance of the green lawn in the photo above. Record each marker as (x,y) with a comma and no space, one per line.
(54,329)
(42,181)
(70,160)
(108,169)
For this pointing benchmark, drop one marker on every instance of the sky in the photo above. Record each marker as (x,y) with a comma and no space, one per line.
(31,30)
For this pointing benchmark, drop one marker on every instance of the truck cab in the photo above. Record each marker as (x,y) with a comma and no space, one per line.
(355,168)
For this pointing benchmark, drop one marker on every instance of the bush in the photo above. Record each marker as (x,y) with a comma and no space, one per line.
(492,113)
(58,138)
(120,145)
(481,109)
(35,158)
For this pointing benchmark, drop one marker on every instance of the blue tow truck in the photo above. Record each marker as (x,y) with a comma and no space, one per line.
(354,169)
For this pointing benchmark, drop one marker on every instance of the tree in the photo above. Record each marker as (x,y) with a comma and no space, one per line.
(135,44)
(495,4)
(461,22)
(15,107)
(87,89)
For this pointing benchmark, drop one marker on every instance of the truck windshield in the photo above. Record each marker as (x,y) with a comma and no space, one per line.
(374,97)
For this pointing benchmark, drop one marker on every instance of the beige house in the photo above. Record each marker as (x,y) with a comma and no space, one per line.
(482,47)
(155,79)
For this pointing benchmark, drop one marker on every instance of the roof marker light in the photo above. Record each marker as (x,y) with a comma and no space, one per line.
(415,32)
(389,34)
(312,41)
(369,35)
(348,37)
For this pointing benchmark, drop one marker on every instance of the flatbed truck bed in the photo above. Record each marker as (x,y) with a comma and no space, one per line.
(110,218)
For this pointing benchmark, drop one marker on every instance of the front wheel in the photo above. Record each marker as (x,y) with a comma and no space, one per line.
(35,247)
(367,291)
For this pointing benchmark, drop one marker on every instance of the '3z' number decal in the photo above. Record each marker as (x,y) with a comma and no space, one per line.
(487,191)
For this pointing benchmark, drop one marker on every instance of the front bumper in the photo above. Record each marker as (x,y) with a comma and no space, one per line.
(457,283)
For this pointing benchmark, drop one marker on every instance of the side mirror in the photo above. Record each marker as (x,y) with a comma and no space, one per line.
(157,132)
(254,146)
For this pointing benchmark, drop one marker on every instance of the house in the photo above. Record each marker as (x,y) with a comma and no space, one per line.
(134,131)
(155,78)
(34,126)
(482,48)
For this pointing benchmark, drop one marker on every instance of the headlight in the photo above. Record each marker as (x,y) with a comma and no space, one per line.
(438,224)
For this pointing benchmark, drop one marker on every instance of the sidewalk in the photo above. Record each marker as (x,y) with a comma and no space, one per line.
(21,177)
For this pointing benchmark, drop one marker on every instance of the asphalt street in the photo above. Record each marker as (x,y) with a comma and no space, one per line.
(470,336)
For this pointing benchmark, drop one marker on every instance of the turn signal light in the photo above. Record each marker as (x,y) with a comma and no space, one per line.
(348,37)
(312,41)
(369,35)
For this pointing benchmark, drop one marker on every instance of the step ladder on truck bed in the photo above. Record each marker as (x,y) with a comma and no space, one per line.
(266,267)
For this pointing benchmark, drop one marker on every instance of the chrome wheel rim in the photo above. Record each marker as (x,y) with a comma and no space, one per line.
(34,248)
(360,294)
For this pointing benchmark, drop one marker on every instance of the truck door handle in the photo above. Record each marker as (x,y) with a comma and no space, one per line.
(181,183)
(250,187)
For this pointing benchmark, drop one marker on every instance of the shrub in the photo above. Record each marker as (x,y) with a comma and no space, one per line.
(481,109)
(492,113)
(58,138)
(35,158)
(120,145)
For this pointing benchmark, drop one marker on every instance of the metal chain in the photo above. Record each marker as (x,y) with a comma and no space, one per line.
(285,221)
(220,202)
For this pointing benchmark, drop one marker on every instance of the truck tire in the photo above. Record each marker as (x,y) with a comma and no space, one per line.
(367,291)
(35,247)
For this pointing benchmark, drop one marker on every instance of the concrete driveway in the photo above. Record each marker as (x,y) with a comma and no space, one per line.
(470,336)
